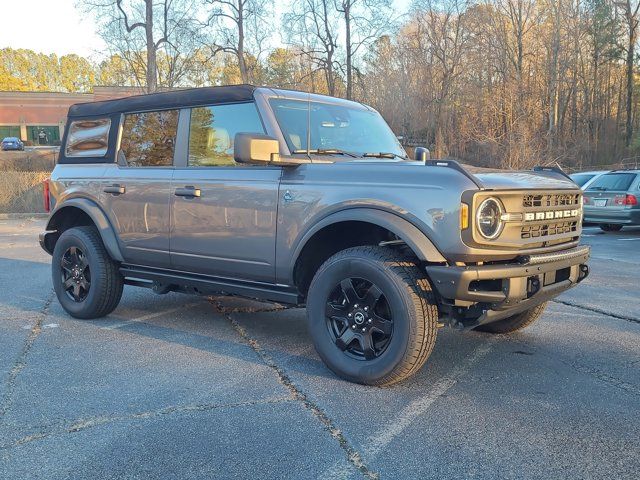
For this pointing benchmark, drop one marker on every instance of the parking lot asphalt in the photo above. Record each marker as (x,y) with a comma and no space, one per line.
(182,387)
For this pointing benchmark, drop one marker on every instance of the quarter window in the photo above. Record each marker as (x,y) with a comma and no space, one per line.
(213,129)
(148,138)
(88,138)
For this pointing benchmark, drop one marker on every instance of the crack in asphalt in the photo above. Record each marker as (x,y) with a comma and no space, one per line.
(597,310)
(353,456)
(21,362)
(81,424)
(581,367)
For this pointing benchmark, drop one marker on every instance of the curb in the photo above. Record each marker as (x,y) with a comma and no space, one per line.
(14,216)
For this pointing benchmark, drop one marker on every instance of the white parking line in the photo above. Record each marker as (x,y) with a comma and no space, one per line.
(149,316)
(380,440)
(628,239)
(384,437)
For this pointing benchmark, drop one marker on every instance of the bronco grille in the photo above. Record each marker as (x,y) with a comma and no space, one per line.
(551,200)
(545,230)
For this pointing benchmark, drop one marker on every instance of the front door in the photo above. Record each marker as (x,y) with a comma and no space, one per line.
(223,214)
(137,190)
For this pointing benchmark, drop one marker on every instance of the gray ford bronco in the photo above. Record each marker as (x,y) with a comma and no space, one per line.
(308,200)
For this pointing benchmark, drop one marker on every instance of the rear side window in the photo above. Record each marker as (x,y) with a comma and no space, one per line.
(212,131)
(581,178)
(88,138)
(613,181)
(148,139)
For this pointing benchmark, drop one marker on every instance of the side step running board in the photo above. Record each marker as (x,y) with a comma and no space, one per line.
(162,281)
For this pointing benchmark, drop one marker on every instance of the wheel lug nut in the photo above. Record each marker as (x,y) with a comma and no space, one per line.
(353,326)
(350,315)
(356,306)
(366,309)
(364,329)
(369,321)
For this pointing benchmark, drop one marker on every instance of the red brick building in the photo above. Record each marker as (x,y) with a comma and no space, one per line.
(39,117)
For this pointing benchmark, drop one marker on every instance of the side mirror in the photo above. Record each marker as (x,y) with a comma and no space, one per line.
(261,149)
(255,148)
(422,154)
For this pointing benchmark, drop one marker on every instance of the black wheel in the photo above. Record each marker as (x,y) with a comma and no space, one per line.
(515,322)
(610,227)
(86,280)
(372,315)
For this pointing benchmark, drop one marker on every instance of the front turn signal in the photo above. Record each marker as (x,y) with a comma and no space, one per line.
(464,216)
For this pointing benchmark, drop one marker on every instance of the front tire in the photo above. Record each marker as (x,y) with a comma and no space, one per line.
(515,322)
(86,280)
(610,227)
(372,316)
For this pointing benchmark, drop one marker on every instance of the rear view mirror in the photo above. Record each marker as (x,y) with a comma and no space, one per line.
(255,148)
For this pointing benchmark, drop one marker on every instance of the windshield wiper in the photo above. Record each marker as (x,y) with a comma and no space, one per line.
(384,155)
(326,151)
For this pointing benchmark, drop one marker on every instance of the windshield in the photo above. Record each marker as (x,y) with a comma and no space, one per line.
(334,127)
(613,181)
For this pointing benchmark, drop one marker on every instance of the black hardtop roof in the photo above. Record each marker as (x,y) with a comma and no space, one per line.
(165,100)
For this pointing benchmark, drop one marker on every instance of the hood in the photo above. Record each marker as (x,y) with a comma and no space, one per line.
(525,180)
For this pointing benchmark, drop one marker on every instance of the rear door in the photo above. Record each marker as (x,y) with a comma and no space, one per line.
(136,190)
(223,214)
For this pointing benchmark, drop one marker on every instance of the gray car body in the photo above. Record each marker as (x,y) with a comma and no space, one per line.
(613,214)
(252,222)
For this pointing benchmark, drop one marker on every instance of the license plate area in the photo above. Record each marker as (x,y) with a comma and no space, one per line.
(599,202)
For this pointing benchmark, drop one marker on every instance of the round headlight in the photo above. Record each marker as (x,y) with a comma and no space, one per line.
(488,218)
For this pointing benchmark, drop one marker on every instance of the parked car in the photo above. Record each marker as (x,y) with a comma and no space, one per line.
(308,200)
(12,143)
(584,179)
(611,201)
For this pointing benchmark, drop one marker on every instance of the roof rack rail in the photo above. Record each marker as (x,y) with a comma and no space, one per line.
(456,166)
(554,169)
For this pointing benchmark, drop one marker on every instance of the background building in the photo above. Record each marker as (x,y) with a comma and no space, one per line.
(39,117)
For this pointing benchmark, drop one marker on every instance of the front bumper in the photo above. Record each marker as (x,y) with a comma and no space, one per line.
(506,289)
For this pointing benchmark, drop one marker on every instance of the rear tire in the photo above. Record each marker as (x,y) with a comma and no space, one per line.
(86,280)
(610,227)
(515,322)
(372,315)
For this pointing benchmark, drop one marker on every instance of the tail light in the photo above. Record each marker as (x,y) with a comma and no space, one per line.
(627,199)
(586,200)
(46,200)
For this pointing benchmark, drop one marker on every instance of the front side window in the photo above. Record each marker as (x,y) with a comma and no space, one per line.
(88,138)
(328,126)
(212,131)
(613,181)
(148,138)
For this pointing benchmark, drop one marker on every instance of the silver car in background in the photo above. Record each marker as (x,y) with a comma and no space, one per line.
(611,200)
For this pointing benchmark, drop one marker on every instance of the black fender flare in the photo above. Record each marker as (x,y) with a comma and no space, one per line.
(99,218)
(418,241)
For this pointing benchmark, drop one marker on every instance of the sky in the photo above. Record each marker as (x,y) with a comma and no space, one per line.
(57,26)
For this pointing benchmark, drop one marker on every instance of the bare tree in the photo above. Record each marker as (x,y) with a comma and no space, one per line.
(364,22)
(241,30)
(138,30)
(629,11)
(312,27)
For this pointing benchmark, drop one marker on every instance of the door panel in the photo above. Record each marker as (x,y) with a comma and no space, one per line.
(230,229)
(140,215)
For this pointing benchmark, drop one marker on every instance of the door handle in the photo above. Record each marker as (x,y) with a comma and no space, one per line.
(187,191)
(115,189)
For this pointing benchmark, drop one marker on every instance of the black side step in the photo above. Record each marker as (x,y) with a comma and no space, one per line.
(173,280)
